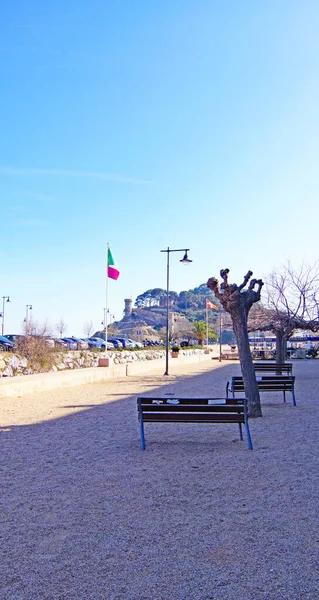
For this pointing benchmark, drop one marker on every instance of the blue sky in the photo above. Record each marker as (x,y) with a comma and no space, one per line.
(151,124)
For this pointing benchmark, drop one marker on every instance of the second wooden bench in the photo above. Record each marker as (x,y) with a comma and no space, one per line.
(266,383)
(275,368)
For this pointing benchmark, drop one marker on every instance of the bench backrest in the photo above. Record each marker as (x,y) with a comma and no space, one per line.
(192,410)
(277,368)
(266,383)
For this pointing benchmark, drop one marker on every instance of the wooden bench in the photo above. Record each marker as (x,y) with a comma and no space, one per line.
(271,367)
(193,410)
(267,383)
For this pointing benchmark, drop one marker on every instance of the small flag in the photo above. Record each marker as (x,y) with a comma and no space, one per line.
(209,304)
(113,270)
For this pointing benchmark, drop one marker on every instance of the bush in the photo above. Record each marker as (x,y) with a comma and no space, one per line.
(38,354)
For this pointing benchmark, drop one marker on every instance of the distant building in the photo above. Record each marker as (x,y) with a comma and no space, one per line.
(128,307)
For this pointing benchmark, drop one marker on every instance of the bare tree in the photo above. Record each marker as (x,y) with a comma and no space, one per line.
(34,328)
(88,328)
(237,302)
(61,327)
(291,302)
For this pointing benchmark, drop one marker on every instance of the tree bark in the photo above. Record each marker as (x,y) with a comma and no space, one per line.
(237,302)
(247,367)
(280,346)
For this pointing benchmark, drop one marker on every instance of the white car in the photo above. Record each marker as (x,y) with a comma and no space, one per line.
(135,344)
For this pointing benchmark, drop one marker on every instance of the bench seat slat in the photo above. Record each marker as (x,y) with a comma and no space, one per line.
(226,408)
(192,418)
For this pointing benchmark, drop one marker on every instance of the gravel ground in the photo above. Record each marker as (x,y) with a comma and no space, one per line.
(86,515)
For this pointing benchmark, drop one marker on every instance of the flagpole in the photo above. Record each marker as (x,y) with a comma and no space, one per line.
(106,291)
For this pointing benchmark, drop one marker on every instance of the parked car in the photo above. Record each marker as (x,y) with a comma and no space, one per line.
(60,343)
(136,344)
(13,337)
(49,342)
(92,343)
(116,343)
(82,344)
(100,343)
(72,344)
(6,344)
(126,342)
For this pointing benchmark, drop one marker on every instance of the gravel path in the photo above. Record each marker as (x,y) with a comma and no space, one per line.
(86,515)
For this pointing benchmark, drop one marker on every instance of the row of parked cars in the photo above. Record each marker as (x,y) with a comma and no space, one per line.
(9,341)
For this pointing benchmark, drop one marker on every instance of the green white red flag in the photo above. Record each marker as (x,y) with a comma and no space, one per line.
(113,270)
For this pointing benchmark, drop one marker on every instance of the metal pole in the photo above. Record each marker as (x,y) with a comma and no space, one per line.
(220,335)
(27,306)
(106,292)
(206,327)
(185,260)
(167,293)
(3,297)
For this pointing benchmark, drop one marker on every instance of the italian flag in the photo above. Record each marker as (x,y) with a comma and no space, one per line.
(113,270)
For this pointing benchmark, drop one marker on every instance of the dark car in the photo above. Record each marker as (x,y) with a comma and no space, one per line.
(72,344)
(6,344)
(14,337)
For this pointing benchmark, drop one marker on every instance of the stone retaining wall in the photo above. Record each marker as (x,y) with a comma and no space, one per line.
(136,363)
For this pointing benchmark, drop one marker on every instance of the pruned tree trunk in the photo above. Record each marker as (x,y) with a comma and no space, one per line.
(280,347)
(247,367)
(237,302)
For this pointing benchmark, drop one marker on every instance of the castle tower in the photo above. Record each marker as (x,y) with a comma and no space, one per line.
(128,307)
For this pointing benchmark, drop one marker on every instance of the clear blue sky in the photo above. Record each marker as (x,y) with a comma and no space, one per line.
(149,124)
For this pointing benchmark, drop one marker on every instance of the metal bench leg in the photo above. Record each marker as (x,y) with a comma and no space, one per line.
(240,432)
(142,433)
(293,397)
(284,396)
(250,446)
(249,442)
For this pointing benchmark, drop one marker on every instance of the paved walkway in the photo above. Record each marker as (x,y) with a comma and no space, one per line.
(86,515)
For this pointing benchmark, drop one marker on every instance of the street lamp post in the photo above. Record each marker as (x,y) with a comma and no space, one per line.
(28,307)
(185,260)
(4,299)
(220,334)
(105,313)
(111,316)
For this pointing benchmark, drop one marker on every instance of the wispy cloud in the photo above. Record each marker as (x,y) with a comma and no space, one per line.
(27,171)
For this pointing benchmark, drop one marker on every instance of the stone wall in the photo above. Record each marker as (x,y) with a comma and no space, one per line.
(13,365)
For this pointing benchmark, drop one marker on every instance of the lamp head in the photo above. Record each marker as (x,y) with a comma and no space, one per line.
(185,260)
(8,299)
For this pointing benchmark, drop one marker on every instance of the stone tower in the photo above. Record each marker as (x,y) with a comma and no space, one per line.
(128,307)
